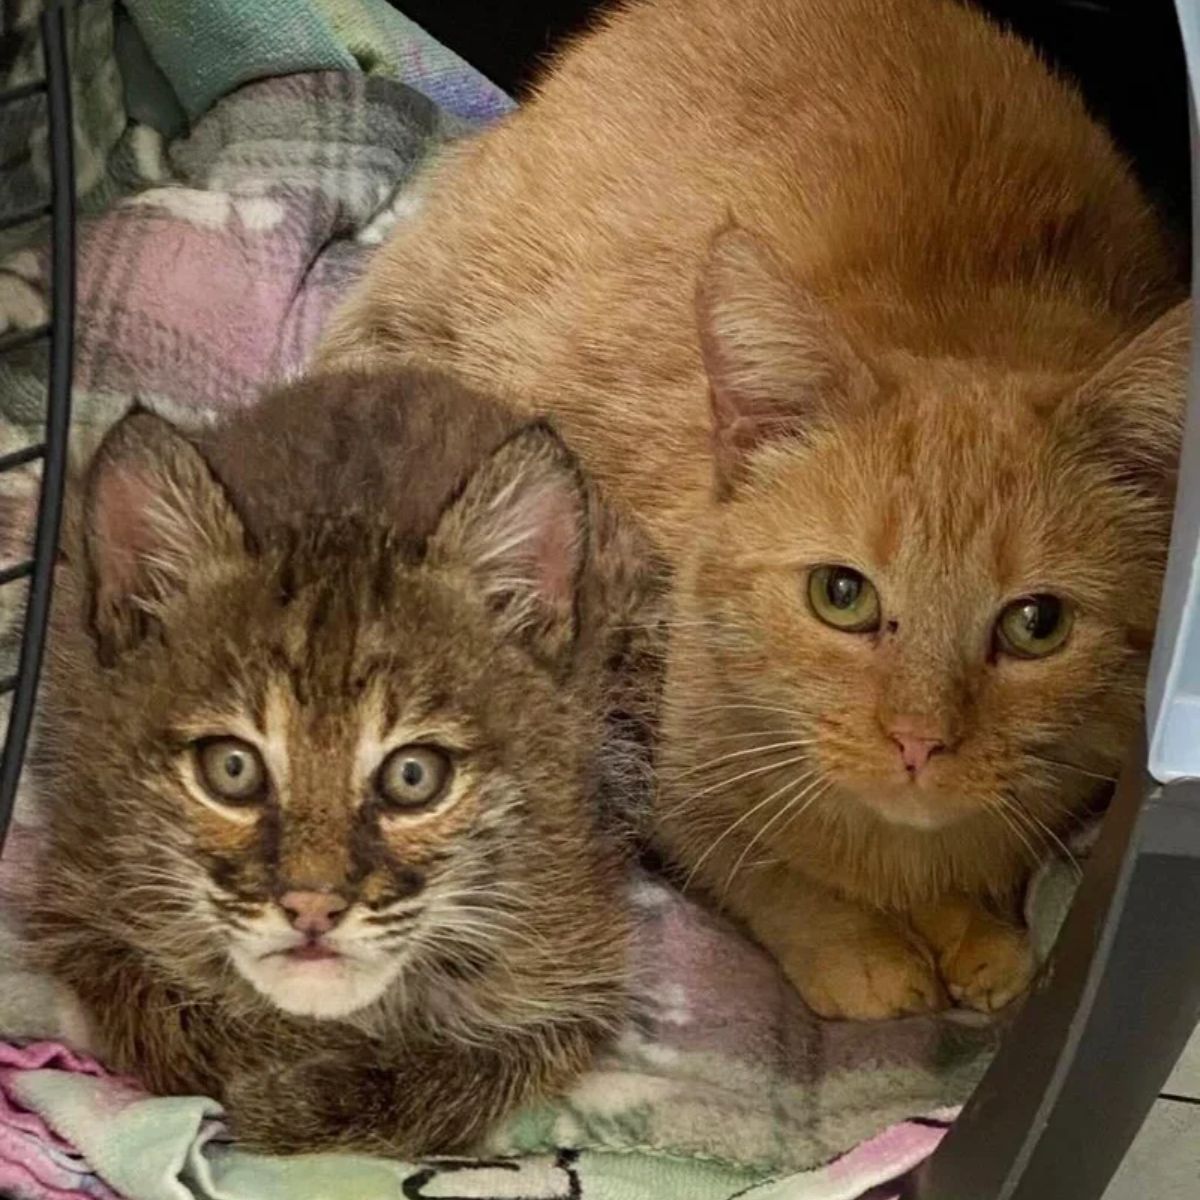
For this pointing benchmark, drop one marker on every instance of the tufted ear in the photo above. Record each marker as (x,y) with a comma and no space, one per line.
(775,363)
(1130,413)
(519,527)
(154,519)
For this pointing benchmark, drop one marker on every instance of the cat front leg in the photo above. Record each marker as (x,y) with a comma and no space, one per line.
(431,1099)
(845,960)
(985,961)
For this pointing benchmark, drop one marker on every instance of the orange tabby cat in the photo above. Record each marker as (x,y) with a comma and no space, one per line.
(864,317)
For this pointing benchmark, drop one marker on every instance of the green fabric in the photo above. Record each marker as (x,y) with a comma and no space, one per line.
(370,30)
(164,1149)
(208,49)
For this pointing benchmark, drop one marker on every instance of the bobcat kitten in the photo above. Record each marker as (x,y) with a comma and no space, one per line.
(322,743)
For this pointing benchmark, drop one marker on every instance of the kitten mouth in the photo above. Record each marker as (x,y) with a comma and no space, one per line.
(308,952)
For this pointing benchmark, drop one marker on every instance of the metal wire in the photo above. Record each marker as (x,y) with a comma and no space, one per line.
(53,450)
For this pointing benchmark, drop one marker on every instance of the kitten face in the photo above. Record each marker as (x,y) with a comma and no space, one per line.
(333,761)
(929,587)
(947,517)
(412,871)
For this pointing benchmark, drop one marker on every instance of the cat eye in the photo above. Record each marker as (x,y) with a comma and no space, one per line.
(414,776)
(232,770)
(844,598)
(1034,626)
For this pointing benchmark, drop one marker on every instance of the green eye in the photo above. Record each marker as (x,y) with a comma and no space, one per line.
(844,598)
(232,770)
(1034,626)
(414,776)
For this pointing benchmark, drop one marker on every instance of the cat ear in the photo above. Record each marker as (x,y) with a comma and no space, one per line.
(775,364)
(154,516)
(1130,413)
(520,527)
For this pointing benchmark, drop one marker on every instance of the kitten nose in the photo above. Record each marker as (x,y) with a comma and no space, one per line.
(312,911)
(916,745)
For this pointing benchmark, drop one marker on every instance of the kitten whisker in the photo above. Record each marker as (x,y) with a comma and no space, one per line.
(687,801)
(791,744)
(748,733)
(1048,832)
(1066,766)
(750,774)
(798,813)
(713,709)
(731,828)
(1012,818)
(797,798)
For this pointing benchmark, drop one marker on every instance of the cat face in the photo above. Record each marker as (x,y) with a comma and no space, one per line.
(930,587)
(338,759)
(349,823)
(943,614)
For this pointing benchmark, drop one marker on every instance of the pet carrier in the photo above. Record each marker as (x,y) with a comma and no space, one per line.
(51,451)
(1121,994)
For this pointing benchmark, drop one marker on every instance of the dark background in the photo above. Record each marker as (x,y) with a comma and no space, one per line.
(1125,54)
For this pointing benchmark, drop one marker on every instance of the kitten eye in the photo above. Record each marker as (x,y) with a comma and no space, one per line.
(414,776)
(232,770)
(1034,626)
(844,598)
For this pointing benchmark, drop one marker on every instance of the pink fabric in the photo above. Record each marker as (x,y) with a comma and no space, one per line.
(35,1163)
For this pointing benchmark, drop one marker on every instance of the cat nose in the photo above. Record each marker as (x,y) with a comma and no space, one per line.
(313,911)
(917,743)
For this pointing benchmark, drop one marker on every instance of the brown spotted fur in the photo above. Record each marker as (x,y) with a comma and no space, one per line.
(313,568)
(841,281)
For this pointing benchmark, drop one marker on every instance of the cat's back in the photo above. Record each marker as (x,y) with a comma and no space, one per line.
(907,138)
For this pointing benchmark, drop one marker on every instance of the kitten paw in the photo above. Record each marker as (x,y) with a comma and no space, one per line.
(887,977)
(989,968)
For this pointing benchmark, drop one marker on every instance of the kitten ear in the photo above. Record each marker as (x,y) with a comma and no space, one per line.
(154,516)
(520,528)
(775,364)
(1131,411)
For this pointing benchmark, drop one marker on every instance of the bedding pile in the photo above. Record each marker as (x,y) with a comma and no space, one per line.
(232,190)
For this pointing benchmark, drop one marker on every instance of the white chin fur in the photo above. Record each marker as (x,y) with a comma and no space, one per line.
(913,812)
(326,988)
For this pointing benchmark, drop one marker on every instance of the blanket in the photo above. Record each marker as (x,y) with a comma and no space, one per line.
(175,1150)
(208,277)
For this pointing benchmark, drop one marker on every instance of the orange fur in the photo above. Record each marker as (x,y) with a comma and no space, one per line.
(835,282)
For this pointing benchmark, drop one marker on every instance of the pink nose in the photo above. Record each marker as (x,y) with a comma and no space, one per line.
(918,739)
(915,752)
(313,912)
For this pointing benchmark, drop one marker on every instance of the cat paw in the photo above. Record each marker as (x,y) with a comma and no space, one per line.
(889,977)
(989,968)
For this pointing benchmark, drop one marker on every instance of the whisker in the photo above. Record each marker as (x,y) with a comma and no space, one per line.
(1066,766)
(747,733)
(798,813)
(692,797)
(746,707)
(734,826)
(791,744)
(1048,832)
(999,806)
(795,799)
